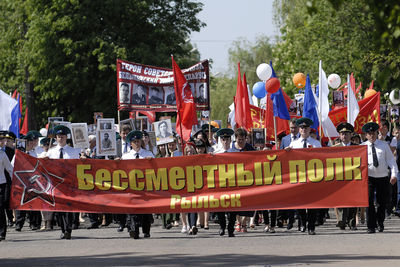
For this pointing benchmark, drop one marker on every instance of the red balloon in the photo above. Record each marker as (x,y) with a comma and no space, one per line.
(272,85)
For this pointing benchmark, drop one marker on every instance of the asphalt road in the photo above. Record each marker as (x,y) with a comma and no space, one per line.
(106,247)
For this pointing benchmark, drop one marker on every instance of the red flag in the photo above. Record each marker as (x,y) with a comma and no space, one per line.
(372,85)
(246,105)
(24,130)
(238,101)
(14,95)
(187,115)
(242,104)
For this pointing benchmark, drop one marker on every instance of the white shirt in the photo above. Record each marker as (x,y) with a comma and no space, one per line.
(143,153)
(4,165)
(68,152)
(311,143)
(385,159)
(32,153)
(222,150)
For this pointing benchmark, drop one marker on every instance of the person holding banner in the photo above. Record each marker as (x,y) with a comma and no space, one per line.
(225,135)
(35,217)
(380,159)
(137,152)
(63,151)
(346,216)
(5,166)
(305,141)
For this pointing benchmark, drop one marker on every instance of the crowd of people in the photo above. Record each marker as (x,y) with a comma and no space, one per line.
(383,143)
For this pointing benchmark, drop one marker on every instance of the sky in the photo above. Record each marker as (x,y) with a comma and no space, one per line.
(228,20)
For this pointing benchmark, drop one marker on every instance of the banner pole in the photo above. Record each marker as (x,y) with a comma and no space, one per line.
(276,137)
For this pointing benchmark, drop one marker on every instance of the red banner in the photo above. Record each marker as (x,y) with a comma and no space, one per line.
(143,87)
(369,111)
(258,180)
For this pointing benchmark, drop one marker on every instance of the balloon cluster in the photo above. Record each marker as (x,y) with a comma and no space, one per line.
(268,84)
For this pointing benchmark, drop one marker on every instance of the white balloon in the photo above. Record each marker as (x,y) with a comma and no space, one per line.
(393,99)
(43,131)
(264,71)
(334,81)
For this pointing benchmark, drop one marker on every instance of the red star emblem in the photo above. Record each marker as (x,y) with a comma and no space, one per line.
(38,183)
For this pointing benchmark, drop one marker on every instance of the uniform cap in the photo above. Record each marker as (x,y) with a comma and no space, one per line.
(304,122)
(133,135)
(225,132)
(370,127)
(61,129)
(345,127)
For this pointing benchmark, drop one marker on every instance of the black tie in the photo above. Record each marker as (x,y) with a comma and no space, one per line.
(304,143)
(61,153)
(137,155)
(374,157)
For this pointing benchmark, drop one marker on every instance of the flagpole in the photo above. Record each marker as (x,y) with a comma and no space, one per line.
(276,138)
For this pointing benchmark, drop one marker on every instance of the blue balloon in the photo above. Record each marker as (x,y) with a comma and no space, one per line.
(259,90)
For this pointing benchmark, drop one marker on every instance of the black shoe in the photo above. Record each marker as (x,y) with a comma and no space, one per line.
(221,232)
(168,226)
(67,236)
(146,236)
(311,232)
(10,224)
(194,230)
(302,229)
(105,225)
(120,229)
(231,234)
(34,228)
(371,231)
(62,236)
(18,229)
(2,238)
(279,223)
(93,226)
(289,226)
(134,234)
(353,228)
(381,228)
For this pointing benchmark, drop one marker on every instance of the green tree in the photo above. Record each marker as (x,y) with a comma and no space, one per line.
(67,50)
(337,35)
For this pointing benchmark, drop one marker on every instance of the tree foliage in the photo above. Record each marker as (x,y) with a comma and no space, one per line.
(68,49)
(338,35)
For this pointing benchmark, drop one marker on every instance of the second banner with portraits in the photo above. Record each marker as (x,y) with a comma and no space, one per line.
(143,87)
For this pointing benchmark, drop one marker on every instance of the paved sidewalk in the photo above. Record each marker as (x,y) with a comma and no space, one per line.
(106,247)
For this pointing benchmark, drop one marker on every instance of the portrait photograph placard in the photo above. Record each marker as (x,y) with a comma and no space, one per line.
(106,143)
(163,131)
(80,135)
(105,124)
(258,136)
(129,122)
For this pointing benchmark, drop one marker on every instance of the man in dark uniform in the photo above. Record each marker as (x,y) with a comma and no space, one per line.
(308,217)
(225,135)
(139,97)
(5,166)
(346,216)
(63,151)
(171,100)
(380,158)
(9,147)
(137,152)
(156,96)
(201,99)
